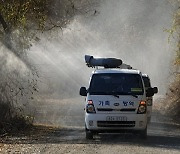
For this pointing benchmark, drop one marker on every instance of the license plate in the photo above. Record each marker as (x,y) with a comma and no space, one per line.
(116,118)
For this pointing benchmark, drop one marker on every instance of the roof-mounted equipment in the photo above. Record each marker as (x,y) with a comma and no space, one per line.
(103,62)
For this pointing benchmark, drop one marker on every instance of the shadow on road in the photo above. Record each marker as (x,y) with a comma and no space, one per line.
(159,135)
(169,142)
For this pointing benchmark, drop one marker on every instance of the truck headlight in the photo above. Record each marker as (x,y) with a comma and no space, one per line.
(142,107)
(90,107)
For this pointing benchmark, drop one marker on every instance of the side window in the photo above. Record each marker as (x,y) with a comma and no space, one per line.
(146,82)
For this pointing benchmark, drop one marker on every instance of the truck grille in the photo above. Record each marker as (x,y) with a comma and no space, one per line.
(116,123)
(122,110)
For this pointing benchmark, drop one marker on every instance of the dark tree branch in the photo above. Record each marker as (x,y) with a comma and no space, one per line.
(4,24)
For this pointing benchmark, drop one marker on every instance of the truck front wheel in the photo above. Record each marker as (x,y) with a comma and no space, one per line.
(89,134)
(143,133)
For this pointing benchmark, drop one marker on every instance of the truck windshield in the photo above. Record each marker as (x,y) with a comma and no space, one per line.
(116,84)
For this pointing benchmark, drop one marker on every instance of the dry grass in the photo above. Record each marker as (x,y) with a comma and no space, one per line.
(12,121)
(170,105)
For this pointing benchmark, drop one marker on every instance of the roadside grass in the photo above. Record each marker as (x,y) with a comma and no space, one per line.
(170,104)
(11,120)
(173,99)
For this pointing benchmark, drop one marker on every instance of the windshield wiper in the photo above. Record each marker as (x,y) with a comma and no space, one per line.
(115,95)
(132,95)
(124,93)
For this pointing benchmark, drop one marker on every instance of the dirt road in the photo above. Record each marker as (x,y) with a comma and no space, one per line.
(163,136)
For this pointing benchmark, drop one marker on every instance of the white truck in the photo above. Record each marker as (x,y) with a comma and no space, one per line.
(115,99)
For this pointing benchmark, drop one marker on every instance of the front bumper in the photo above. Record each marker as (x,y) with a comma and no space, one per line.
(132,122)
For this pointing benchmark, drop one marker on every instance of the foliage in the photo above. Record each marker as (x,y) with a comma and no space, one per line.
(176,26)
(20,21)
(13,121)
(17,12)
(175,31)
(176,92)
(172,106)
(18,84)
(42,14)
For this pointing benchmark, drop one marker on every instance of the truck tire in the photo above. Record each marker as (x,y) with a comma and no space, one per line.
(89,134)
(143,133)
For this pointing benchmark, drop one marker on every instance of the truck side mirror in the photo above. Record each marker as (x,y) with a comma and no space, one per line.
(83,91)
(155,89)
(150,92)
